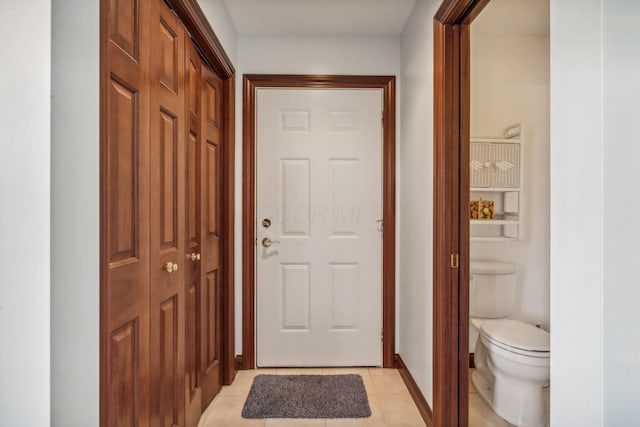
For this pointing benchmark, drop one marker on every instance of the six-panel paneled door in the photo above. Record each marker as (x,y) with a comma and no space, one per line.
(192,385)
(210,186)
(167,218)
(124,234)
(160,289)
(319,245)
(204,108)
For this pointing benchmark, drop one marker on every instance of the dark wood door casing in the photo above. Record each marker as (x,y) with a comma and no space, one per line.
(446,234)
(250,84)
(451,205)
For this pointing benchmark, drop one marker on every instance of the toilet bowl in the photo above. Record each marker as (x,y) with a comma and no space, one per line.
(512,366)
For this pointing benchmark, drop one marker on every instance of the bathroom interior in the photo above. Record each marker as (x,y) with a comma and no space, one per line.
(509,213)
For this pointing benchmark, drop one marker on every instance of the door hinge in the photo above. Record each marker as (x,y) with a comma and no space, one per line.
(381,334)
(455,260)
(382,117)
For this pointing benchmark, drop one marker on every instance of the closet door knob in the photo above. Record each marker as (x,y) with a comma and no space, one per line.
(170,267)
(194,257)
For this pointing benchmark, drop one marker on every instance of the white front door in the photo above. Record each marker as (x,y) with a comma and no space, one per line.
(319,185)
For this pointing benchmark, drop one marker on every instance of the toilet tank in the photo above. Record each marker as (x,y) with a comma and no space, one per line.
(491,289)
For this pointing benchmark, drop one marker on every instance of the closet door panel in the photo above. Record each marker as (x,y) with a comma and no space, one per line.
(124,190)
(161,282)
(124,26)
(211,196)
(193,344)
(124,236)
(167,217)
(125,373)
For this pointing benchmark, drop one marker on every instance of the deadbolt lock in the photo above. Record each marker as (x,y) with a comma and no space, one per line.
(266,223)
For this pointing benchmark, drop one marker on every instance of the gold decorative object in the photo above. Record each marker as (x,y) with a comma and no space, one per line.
(481,209)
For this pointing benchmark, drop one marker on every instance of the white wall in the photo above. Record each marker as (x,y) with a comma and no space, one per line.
(576,270)
(75,183)
(220,20)
(24,212)
(372,55)
(621,182)
(594,251)
(416,197)
(75,179)
(510,84)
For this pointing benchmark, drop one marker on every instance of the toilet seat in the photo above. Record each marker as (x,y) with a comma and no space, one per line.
(517,337)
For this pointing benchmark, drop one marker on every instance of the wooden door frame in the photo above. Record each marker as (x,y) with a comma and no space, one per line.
(190,13)
(451,211)
(251,83)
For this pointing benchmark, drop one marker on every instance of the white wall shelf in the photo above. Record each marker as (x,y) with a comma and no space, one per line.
(497,140)
(494,190)
(496,174)
(493,222)
(494,239)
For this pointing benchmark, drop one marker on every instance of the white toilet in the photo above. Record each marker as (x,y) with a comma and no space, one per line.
(511,357)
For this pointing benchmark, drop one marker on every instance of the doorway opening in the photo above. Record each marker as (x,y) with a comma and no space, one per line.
(509,174)
(251,85)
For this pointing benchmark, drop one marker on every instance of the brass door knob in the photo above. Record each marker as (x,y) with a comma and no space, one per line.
(194,257)
(266,242)
(170,267)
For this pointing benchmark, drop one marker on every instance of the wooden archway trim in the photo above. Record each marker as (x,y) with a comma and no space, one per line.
(194,19)
(451,210)
(250,84)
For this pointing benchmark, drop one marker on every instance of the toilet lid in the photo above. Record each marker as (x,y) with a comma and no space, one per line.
(517,335)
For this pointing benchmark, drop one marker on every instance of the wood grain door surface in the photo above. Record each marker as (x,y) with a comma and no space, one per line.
(167,217)
(210,195)
(160,192)
(193,393)
(125,194)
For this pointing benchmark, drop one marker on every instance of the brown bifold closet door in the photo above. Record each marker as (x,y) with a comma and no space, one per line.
(167,218)
(160,220)
(192,385)
(210,192)
(124,211)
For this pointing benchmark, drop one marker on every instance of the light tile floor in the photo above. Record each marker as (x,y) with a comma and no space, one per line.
(390,402)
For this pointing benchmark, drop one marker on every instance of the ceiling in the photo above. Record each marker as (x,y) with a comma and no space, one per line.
(513,17)
(275,17)
(374,17)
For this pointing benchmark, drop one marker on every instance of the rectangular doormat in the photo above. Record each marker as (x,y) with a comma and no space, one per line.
(307,396)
